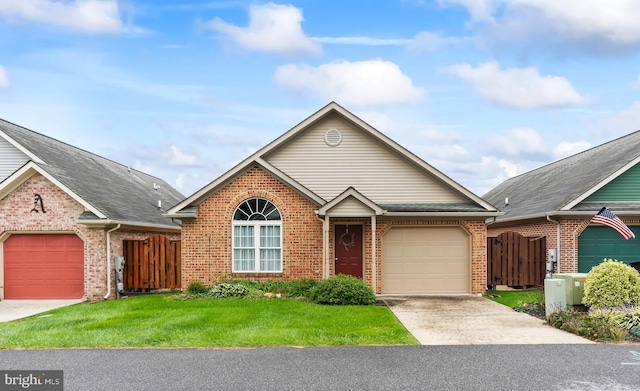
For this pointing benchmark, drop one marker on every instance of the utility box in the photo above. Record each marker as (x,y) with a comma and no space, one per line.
(555,295)
(574,285)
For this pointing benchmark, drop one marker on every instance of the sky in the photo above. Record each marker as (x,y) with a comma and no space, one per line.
(480,89)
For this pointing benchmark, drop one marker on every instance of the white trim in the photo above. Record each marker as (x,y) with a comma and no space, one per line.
(601,184)
(25,172)
(350,192)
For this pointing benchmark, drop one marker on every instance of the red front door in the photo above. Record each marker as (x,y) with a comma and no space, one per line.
(348,250)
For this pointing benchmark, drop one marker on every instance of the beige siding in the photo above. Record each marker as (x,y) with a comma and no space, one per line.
(11,158)
(434,260)
(359,161)
(350,207)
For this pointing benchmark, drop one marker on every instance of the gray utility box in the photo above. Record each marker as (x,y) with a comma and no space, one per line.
(555,295)
(574,285)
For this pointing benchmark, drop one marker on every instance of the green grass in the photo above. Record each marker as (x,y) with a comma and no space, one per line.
(159,321)
(516,297)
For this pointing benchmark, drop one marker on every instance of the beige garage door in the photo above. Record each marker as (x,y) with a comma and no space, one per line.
(426,260)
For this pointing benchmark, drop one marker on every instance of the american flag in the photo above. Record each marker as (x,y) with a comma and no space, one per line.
(606,217)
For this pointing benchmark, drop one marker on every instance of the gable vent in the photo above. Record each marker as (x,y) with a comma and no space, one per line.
(333,137)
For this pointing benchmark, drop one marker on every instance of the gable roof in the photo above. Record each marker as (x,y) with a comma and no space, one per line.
(111,192)
(560,187)
(187,208)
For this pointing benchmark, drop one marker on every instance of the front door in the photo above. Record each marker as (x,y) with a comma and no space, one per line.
(348,250)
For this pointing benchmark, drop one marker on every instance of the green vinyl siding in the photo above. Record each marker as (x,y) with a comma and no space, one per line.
(599,242)
(625,187)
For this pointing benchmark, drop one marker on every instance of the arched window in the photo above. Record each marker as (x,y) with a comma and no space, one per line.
(257,237)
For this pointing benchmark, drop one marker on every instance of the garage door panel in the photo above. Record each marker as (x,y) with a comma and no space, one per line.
(426,260)
(42,266)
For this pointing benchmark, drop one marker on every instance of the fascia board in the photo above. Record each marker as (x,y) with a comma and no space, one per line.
(601,184)
(102,223)
(350,192)
(27,171)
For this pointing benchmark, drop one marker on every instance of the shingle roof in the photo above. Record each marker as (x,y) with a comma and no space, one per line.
(118,192)
(551,187)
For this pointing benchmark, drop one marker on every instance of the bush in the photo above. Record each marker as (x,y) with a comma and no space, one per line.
(612,284)
(301,287)
(225,290)
(594,327)
(342,290)
(635,331)
(196,287)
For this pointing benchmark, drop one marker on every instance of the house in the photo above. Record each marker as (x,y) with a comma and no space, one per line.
(333,196)
(558,200)
(64,213)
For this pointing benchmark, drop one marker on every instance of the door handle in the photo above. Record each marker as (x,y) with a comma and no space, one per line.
(336,260)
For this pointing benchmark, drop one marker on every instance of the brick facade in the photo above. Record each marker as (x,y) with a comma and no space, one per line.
(570,230)
(206,242)
(61,214)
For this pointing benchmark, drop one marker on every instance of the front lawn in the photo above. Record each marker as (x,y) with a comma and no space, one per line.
(159,321)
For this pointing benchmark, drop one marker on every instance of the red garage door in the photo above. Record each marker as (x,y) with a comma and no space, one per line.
(43,267)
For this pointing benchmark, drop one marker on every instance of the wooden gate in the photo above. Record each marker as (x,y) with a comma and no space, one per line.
(150,264)
(516,261)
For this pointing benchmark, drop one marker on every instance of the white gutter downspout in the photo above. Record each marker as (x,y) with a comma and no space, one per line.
(557,241)
(109,260)
(325,235)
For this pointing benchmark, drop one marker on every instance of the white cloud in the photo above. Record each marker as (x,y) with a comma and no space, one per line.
(478,9)
(619,123)
(431,41)
(361,83)
(179,158)
(89,16)
(522,88)
(567,148)
(272,28)
(4,78)
(365,41)
(603,26)
(518,142)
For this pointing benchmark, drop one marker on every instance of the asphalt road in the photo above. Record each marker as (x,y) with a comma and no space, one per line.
(479,367)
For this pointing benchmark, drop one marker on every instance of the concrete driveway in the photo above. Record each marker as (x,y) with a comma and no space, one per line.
(473,320)
(17,309)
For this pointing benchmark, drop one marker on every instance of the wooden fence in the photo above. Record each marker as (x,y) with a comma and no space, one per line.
(516,261)
(151,264)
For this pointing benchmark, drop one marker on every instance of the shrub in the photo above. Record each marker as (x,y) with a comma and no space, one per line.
(612,284)
(301,287)
(593,327)
(635,331)
(196,287)
(342,290)
(225,290)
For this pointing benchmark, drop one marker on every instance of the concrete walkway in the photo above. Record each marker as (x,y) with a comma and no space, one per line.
(17,309)
(473,320)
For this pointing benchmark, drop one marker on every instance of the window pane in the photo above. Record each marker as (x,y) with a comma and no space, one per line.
(243,236)
(270,236)
(244,259)
(270,260)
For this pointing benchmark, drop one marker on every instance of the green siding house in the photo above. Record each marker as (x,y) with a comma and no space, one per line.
(558,200)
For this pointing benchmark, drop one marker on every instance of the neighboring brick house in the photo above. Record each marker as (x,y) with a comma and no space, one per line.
(558,201)
(64,213)
(335,196)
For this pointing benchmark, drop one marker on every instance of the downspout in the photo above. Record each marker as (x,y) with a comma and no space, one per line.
(557,241)
(325,234)
(109,260)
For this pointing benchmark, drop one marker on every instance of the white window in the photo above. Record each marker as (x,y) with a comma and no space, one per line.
(257,237)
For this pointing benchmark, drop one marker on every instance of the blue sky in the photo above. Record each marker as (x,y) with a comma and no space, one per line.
(480,89)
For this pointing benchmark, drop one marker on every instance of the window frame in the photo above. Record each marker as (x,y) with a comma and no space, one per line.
(257,228)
